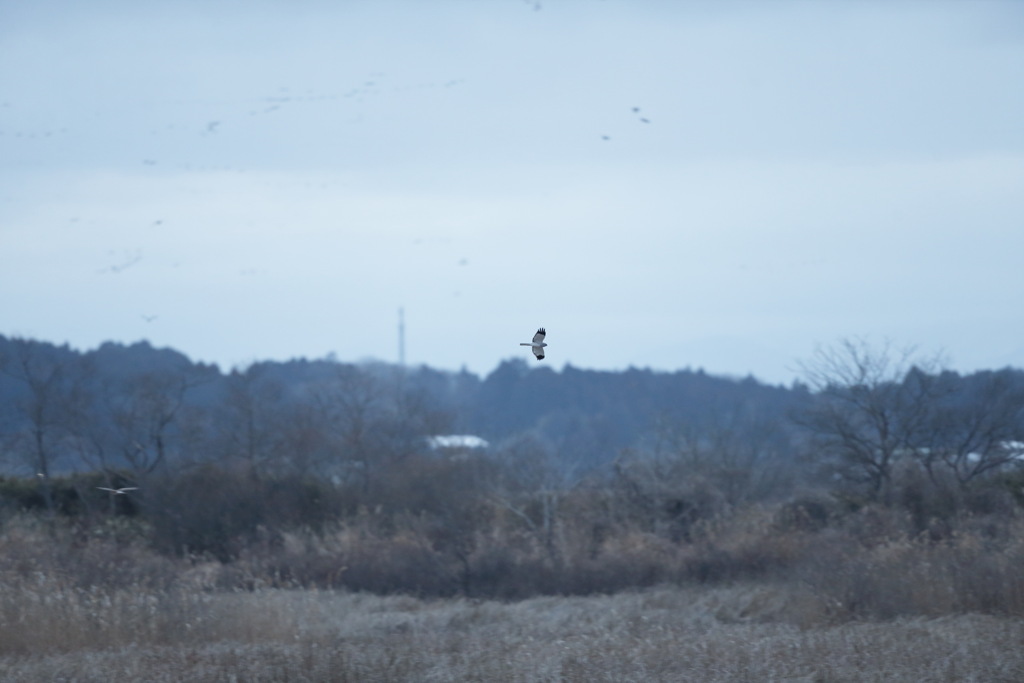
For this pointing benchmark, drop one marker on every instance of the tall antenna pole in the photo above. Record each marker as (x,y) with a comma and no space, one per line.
(401,337)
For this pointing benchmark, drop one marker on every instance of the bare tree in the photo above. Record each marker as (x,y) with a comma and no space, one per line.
(303,445)
(743,455)
(978,429)
(143,410)
(661,493)
(351,404)
(89,439)
(53,386)
(374,422)
(530,485)
(252,419)
(873,406)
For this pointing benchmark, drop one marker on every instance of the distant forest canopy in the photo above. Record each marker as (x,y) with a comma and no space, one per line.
(589,414)
(139,408)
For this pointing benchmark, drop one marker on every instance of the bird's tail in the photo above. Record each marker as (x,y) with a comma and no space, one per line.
(524,344)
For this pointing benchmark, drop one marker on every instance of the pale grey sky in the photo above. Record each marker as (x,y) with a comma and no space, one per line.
(722,185)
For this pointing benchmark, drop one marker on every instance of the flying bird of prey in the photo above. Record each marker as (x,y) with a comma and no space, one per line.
(120,491)
(537,346)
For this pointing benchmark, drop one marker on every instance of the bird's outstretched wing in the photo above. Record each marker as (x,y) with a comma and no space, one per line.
(539,337)
(539,352)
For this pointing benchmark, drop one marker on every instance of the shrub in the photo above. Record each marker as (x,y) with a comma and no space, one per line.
(975,570)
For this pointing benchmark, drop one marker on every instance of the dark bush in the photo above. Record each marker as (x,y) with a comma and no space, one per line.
(215,511)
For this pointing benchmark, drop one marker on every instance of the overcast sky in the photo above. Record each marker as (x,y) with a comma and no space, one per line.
(717,185)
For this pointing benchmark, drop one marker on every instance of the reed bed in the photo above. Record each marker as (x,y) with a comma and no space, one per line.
(668,633)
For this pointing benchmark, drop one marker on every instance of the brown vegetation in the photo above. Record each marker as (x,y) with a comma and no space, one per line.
(785,592)
(145,623)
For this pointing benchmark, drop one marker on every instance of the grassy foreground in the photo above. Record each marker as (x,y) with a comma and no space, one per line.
(737,633)
(749,599)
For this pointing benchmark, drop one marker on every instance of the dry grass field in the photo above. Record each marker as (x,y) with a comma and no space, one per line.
(734,633)
(749,600)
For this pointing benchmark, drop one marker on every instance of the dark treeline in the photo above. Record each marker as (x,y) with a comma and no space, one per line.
(134,406)
(321,472)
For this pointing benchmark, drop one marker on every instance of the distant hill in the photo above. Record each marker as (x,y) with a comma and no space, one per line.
(588,417)
(600,412)
(592,414)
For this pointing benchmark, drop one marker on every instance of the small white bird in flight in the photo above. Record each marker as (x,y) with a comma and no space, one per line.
(120,491)
(538,344)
